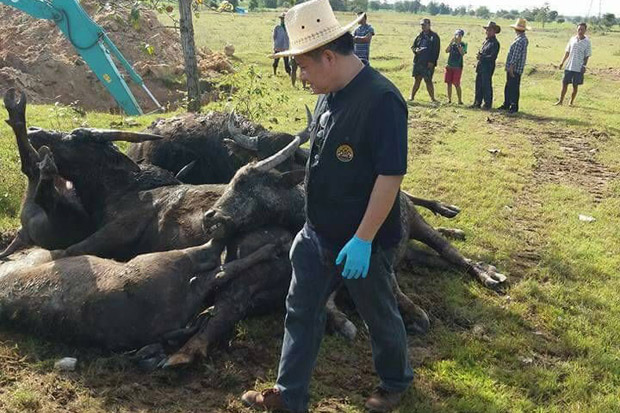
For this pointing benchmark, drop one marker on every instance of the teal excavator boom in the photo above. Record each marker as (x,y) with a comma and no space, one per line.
(92,44)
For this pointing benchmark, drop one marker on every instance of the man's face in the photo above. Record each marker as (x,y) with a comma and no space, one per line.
(363,21)
(425,27)
(317,72)
(490,31)
(581,31)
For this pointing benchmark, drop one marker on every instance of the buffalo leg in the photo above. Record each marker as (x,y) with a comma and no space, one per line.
(263,288)
(337,321)
(415,319)
(436,207)
(19,242)
(16,107)
(421,231)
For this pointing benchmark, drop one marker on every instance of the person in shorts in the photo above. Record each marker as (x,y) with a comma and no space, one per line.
(426,52)
(454,69)
(578,52)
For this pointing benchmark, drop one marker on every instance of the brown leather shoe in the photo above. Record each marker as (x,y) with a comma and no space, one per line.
(269,399)
(383,401)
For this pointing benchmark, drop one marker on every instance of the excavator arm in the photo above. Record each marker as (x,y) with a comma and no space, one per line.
(92,44)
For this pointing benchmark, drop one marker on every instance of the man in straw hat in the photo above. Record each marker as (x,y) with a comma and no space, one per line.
(280,43)
(358,157)
(486,67)
(515,63)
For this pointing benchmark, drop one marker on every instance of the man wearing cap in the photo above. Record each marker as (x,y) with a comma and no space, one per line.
(280,43)
(425,48)
(362,37)
(454,68)
(515,63)
(578,52)
(358,156)
(486,67)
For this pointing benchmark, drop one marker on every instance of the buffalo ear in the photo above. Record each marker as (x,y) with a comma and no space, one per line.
(291,178)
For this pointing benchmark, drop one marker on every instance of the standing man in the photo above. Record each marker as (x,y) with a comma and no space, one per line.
(454,69)
(362,37)
(357,161)
(280,44)
(426,52)
(578,52)
(515,63)
(486,67)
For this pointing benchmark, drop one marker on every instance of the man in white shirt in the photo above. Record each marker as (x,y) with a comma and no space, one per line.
(578,51)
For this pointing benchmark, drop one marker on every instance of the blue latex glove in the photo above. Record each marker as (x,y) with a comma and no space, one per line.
(357,253)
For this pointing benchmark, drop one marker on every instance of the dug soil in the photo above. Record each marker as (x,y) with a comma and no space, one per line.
(37,58)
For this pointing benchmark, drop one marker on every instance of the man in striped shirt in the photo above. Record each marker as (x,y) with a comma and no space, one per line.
(362,37)
(515,63)
(578,51)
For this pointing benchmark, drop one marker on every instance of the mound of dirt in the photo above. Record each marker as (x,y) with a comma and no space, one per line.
(36,57)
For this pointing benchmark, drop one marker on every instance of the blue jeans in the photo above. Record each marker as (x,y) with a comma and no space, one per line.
(315,276)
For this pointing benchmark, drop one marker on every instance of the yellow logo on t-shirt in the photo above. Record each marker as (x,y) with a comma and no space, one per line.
(344,153)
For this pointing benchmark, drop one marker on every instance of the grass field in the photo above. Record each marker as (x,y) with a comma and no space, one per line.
(547,343)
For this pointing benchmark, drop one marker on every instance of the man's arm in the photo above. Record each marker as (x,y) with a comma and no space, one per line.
(585,63)
(436,51)
(566,54)
(380,204)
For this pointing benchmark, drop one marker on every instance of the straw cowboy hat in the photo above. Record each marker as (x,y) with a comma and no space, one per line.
(494,26)
(521,25)
(311,25)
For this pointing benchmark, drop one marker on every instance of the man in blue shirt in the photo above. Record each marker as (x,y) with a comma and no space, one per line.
(358,157)
(515,63)
(280,44)
(362,37)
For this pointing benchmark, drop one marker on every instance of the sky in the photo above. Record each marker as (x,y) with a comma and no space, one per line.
(564,7)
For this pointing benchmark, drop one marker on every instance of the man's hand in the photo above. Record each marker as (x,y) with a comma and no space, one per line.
(560,66)
(430,65)
(511,71)
(357,253)
(583,69)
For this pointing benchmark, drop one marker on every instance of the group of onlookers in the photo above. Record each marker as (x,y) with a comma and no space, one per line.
(427,48)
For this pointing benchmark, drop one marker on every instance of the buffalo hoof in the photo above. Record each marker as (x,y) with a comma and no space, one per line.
(445,210)
(178,360)
(347,330)
(416,321)
(488,275)
(149,357)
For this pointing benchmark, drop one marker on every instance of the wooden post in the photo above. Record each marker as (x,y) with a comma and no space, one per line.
(189,55)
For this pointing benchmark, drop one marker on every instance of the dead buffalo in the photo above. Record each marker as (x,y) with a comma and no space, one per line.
(86,197)
(259,195)
(57,210)
(197,148)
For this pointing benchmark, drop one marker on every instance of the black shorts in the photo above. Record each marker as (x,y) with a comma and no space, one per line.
(421,69)
(576,78)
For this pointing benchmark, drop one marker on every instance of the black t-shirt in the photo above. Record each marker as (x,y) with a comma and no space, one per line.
(360,133)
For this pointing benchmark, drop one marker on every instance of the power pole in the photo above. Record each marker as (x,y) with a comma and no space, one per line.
(189,54)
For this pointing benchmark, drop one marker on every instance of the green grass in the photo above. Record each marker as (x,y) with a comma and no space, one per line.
(549,343)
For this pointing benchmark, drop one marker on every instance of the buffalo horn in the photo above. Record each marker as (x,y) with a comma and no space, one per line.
(109,135)
(279,157)
(247,142)
(305,134)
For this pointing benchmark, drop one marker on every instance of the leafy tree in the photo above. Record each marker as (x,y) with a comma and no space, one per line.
(359,5)
(432,8)
(461,11)
(542,14)
(560,20)
(270,4)
(609,19)
(483,12)
(374,5)
(338,5)
(444,8)
(253,5)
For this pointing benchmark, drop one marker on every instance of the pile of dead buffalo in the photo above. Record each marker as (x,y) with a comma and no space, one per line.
(169,246)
